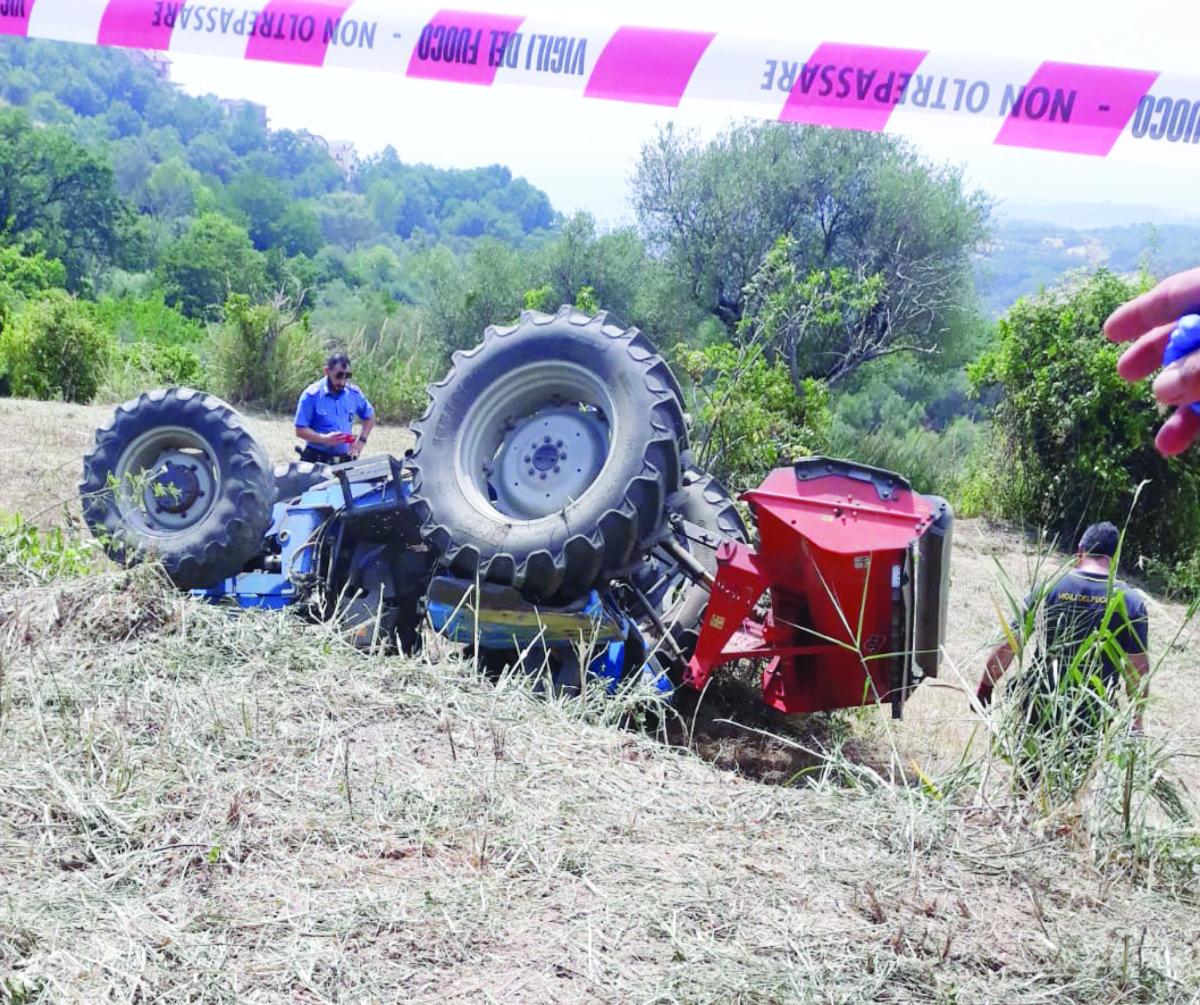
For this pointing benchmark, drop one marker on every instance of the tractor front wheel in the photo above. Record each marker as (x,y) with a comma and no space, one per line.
(176,477)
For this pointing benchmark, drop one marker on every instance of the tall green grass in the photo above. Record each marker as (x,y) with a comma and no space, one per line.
(1077,761)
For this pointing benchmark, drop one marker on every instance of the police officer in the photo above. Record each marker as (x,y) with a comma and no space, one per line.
(1086,607)
(326,412)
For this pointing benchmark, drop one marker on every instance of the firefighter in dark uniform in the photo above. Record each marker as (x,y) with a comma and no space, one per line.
(1092,634)
(326,412)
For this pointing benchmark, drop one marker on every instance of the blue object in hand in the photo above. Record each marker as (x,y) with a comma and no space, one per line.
(1184,339)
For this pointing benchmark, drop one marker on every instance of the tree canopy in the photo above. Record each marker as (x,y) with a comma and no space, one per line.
(212,260)
(1074,441)
(57,198)
(874,233)
(175,155)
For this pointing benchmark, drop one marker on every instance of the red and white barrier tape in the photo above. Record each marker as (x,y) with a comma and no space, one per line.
(1039,104)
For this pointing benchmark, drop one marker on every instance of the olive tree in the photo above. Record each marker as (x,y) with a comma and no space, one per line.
(879,242)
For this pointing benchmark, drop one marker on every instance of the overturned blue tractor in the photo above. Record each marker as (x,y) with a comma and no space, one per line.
(550,516)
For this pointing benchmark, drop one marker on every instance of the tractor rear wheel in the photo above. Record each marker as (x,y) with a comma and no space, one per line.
(176,476)
(546,455)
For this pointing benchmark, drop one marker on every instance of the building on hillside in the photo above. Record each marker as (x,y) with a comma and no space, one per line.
(235,106)
(344,155)
(342,151)
(155,61)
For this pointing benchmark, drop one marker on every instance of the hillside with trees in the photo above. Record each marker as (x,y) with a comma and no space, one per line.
(1022,256)
(214,806)
(817,291)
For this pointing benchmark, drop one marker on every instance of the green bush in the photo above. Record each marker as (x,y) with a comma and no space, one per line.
(261,354)
(931,461)
(53,349)
(541,298)
(748,416)
(1178,580)
(544,298)
(23,277)
(207,264)
(147,319)
(913,416)
(1073,441)
(399,395)
(586,300)
(29,275)
(393,364)
(142,365)
(30,554)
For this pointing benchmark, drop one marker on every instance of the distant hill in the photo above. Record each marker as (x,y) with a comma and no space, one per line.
(170,158)
(173,156)
(1025,255)
(1086,215)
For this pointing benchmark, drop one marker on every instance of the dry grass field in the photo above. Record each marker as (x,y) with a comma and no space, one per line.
(200,807)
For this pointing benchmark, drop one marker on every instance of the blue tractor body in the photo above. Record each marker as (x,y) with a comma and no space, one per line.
(314,535)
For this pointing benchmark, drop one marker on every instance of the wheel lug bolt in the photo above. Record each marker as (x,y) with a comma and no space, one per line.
(528,458)
(545,439)
(531,471)
(557,469)
(543,476)
(562,456)
(559,444)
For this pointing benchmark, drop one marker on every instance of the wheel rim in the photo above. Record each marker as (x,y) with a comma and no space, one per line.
(168,480)
(536,441)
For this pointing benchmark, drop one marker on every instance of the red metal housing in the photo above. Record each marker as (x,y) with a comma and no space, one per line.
(837,554)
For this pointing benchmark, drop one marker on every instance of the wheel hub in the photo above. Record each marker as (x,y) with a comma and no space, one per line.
(548,460)
(175,488)
(179,490)
(546,457)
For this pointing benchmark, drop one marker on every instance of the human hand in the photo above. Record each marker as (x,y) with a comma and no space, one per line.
(356,448)
(983,694)
(1147,321)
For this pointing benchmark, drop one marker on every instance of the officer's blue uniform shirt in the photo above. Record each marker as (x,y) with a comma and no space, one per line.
(322,411)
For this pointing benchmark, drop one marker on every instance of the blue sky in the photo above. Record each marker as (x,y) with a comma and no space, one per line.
(582,152)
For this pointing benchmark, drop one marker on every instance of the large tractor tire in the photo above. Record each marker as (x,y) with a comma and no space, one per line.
(546,455)
(297,477)
(679,601)
(175,476)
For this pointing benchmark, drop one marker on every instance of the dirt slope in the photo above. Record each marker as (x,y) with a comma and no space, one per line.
(203,808)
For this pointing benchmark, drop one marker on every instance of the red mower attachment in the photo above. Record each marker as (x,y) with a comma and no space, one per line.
(857,565)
